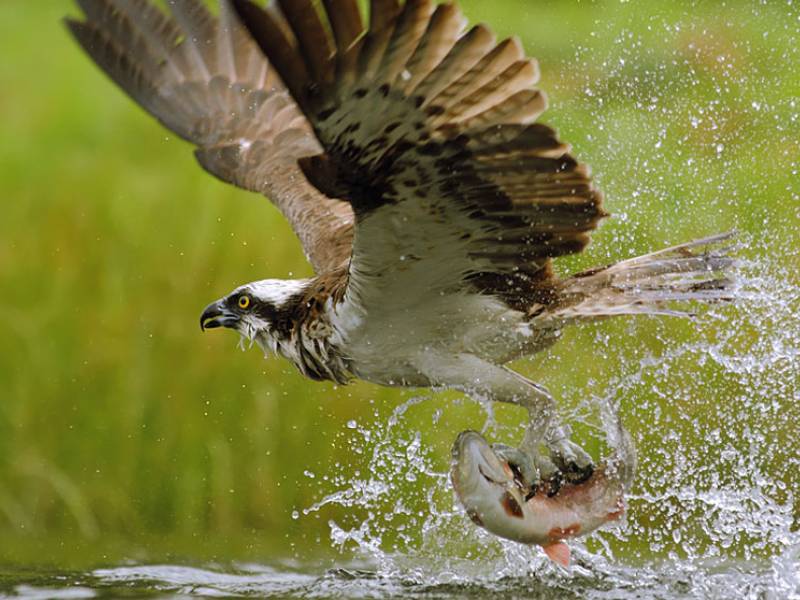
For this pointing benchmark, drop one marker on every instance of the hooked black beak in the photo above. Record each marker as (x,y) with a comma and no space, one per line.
(216,315)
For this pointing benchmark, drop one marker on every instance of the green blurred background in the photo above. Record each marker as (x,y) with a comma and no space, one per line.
(126,433)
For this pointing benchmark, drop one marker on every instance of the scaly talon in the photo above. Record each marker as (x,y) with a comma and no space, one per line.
(533,474)
(552,485)
(572,461)
(577,474)
(526,472)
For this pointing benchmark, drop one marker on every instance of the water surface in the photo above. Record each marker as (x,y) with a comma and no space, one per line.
(589,577)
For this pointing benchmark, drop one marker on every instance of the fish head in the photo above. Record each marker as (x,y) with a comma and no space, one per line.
(476,468)
(486,487)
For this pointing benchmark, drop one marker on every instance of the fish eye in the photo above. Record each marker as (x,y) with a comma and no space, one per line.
(244,301)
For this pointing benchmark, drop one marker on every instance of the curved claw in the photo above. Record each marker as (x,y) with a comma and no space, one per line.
(533,475)
(574,462)
(576,474)
(526,473)
(554,484)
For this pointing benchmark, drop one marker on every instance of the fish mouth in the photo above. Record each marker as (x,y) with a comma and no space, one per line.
(475,463)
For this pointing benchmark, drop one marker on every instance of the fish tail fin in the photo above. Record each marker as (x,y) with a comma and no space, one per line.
(558,552)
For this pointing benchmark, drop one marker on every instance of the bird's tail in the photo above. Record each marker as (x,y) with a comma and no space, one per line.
(666,282)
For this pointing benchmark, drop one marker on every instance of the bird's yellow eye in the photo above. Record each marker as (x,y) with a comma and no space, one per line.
(244,301)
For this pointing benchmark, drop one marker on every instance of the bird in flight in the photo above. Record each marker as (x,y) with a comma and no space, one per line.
(406,152)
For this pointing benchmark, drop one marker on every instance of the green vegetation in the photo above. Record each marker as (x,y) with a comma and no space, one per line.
(125,432)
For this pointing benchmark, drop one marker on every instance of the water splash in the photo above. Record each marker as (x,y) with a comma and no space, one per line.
(703,508)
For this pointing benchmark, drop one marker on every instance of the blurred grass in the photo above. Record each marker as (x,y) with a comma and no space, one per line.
(125,432)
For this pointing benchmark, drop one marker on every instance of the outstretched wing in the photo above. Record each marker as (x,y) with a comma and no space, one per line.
(201,75)
(428,132)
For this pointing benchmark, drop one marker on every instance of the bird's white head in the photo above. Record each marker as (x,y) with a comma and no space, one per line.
(260,311)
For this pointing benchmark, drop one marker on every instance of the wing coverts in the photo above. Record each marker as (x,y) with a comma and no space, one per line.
(414,109)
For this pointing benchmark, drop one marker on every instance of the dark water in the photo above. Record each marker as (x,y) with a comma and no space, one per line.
(776,579)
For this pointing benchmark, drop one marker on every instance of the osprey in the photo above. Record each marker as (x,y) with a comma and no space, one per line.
(406,154)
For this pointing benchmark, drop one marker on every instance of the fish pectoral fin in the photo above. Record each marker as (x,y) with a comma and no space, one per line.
(558,552)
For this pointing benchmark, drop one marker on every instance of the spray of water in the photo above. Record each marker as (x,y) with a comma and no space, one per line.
(703,497)
(690,125)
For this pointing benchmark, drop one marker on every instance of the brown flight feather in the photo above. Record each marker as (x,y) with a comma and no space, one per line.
(426,116)
(204,78)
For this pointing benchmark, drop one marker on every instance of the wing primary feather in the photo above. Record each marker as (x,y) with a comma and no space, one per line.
(490,66)
(117,26)
(346,23)
(382,14)
(516,140)
(468,50)
(347,66)
(377,40)
(313,41)
(444,28)
(257,70)
(518,77)
(411,25)
(160,32)
(273,40)
(522,108)
(230,45)
(199,28)
(122,69)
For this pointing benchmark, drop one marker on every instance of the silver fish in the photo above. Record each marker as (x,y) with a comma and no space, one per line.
(495,500)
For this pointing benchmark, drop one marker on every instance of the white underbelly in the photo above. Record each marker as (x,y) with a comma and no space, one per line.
(385,348)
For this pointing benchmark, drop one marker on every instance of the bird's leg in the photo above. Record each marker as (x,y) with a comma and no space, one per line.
(567,460)
(484,380)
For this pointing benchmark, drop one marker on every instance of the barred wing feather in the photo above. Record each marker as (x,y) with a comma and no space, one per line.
(201,75)
(428,131)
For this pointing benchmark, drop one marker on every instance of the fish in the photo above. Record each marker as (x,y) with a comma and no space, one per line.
(494,498)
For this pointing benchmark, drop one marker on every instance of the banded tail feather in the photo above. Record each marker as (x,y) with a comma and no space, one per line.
(659,283)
